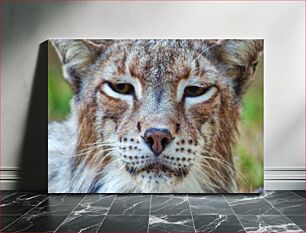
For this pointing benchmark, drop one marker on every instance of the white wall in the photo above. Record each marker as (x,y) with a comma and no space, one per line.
(281,24)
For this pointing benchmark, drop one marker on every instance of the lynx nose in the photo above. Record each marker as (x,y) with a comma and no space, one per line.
(157,139)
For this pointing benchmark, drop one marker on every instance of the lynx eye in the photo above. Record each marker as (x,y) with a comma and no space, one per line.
(122,88)
(194,91)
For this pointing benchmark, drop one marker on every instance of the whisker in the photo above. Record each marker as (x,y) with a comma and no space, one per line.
(211,176)
(205,50)
(87,152)
(101,143)
(208,165)
(195,182)
(104,157)
(232,168)
(93,148)
(206,177)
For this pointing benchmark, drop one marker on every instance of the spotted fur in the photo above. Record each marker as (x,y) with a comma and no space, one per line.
(100,147)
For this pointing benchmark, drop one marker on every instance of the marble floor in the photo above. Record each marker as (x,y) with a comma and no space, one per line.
(279,211)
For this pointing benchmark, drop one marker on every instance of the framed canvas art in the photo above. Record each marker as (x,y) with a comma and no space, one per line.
(155,116)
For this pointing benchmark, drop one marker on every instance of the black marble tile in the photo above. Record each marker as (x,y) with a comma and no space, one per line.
(170,205)
(286,202)
(300,193)
(35,223)
(7,220)
(130,204)
(88,214)
(81,223)
(250,205)
(49,213)
(299,220)
(20,203)
(209,205)
(5,194)
(166,223)
(266,223)
(217,223)
(66,199)
(125,223)
(95,204)
(61,205)
(31,212)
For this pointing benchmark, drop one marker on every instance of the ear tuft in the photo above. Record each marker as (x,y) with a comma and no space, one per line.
(237,59)
(76,57)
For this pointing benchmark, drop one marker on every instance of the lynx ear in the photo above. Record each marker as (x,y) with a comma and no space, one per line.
(76,57)
(237,59)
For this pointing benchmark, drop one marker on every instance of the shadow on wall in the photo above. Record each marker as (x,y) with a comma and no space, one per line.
(33,164)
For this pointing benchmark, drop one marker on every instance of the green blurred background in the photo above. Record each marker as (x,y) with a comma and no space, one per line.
(249,149)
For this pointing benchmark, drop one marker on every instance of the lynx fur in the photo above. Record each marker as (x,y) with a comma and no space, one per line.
(187,92)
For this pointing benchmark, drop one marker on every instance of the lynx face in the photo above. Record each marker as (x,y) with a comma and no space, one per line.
(158,115)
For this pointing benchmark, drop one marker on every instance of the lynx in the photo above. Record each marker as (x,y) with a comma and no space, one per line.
(150,116)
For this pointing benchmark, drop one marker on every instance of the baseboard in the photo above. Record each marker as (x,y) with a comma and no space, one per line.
(284,178)
(8,184)
(276,178)
(9,178)
(284,185)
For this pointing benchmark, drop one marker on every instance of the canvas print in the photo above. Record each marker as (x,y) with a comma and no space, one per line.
(155,116)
